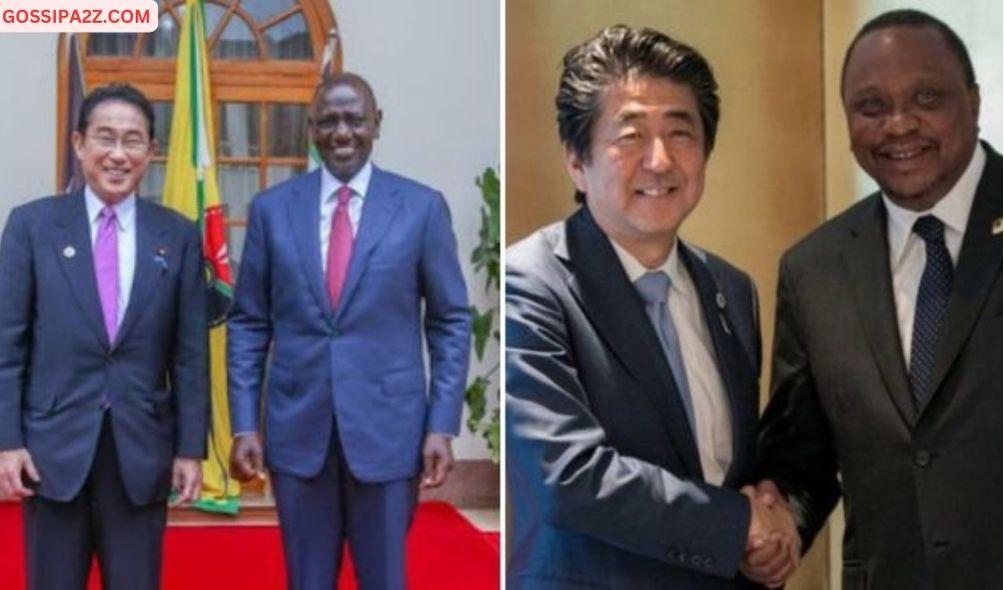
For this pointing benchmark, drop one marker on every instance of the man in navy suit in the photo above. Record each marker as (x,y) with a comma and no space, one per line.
(632,356)
(336,268)
(103,360)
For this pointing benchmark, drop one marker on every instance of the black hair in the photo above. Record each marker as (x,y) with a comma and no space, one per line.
(914,18)
(118,93)
(615,54)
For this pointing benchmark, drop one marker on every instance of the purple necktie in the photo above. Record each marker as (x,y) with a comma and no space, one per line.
(339,246)
(106,270)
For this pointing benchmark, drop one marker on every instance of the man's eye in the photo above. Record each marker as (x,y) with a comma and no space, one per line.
(928,97)
(870,107)
(629,137)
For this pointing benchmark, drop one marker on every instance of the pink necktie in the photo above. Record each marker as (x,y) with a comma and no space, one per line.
(106,270)
(339,246)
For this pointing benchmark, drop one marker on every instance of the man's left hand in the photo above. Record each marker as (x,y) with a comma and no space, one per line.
(437,460)
(186,479)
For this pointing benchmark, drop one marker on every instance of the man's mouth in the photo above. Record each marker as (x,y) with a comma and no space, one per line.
(656,191)
(116,173)
(904,154)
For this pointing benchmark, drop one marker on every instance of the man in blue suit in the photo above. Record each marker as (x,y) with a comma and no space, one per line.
(103,360)
(336,268)
(632,356)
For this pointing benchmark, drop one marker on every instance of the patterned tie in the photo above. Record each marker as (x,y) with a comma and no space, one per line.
(932,304)
(654,289)
(339,246)
(106,270)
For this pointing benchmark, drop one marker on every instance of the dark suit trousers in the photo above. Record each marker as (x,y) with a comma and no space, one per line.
(61,537)
(317,515)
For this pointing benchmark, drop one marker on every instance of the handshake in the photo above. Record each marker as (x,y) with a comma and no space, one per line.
(773,546)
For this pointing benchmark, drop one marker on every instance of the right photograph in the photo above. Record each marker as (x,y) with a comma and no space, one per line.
(753,295)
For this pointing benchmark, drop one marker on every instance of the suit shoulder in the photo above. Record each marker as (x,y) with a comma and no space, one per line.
(414,188)
(283,190)
(38,208)
(535,254)
(170,216)
(821,243)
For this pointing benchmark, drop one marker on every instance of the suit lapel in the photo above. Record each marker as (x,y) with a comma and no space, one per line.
(304,211)
(72,247)
(730,359)
(978,266)
(866,265)
(381,203)
(153,255)
(615,308)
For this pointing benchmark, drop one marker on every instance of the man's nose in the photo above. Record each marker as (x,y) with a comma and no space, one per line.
(900,122)
(658,158)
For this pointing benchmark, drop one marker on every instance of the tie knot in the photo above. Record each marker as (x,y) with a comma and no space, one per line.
(344,194)
(653,287)
(930,229)
(107,216)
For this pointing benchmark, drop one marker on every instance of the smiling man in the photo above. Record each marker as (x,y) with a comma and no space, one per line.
(346,271)
(632,356)
(887,364)
(103,360)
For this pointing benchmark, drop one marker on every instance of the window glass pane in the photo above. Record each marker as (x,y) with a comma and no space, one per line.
(235,247)
(289,39)
(238,183)
(287,130)
(164,41)
(214,13)
(261,10)
(238,129)
(276,173)
(162,112)
(111,44)
(236,41)
(151,187)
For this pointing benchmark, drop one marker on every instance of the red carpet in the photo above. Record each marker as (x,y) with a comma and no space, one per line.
(444,553)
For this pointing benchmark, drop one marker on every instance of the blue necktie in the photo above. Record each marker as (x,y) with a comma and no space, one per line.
(932,305)
(654,289)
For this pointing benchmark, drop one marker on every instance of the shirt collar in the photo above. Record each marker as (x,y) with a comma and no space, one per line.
(124,209)
(359,183)
(635,269)
(952,209)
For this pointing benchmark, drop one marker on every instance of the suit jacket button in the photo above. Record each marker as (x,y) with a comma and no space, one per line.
(922,458)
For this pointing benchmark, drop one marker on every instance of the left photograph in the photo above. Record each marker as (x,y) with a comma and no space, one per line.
(249,293)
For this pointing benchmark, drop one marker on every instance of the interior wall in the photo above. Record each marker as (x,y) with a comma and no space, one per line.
(765,178)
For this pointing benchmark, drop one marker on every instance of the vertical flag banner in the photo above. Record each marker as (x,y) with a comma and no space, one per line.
(190,187)
(72,177)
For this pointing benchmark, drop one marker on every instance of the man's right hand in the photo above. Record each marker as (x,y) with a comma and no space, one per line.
(246,457)
(773,546)
(12,464)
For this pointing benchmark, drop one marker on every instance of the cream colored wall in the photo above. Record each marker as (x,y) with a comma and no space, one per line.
(765,178)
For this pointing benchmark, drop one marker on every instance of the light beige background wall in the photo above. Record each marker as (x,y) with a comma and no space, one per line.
(765,178)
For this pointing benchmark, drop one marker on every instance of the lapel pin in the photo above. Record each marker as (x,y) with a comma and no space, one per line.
(720,300)
(997,227)
(160,257)
(725,325)
(69,252)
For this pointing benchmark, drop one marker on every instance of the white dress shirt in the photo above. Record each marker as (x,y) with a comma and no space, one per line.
(125,222)
(712,413)
(329,201)
(908,251)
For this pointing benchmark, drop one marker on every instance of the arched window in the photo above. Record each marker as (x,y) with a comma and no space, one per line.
(265,58)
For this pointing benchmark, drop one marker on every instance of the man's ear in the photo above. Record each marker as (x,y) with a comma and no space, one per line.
(78,143)
(576,169)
